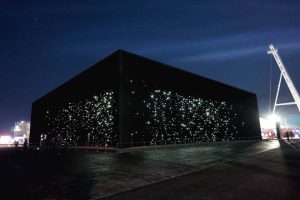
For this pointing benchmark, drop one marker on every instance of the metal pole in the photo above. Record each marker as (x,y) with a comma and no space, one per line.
(278,130)
(278,88)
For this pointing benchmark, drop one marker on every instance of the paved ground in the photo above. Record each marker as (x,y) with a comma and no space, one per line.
(79,175)
(270,175)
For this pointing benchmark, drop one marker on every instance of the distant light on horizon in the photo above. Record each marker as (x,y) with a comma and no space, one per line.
(5,139)
(17,128)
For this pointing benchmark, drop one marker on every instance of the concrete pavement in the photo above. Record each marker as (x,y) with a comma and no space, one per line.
(273,174)
(87,175)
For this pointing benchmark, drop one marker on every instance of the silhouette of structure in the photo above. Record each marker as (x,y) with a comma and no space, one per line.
(127,99)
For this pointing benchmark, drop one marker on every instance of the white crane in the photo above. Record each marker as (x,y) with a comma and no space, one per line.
(287,79)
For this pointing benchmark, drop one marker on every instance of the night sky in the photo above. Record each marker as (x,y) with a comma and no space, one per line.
(45,43)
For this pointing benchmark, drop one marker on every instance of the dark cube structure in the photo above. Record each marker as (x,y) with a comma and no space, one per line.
(127,100)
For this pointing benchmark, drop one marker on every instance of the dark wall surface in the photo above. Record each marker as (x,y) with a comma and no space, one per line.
(167,105)
(127,100)
(84,107)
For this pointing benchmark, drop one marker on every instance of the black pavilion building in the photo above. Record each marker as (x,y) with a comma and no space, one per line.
(127,100)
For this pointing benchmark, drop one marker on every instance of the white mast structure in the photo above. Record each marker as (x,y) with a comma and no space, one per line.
(287,79)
